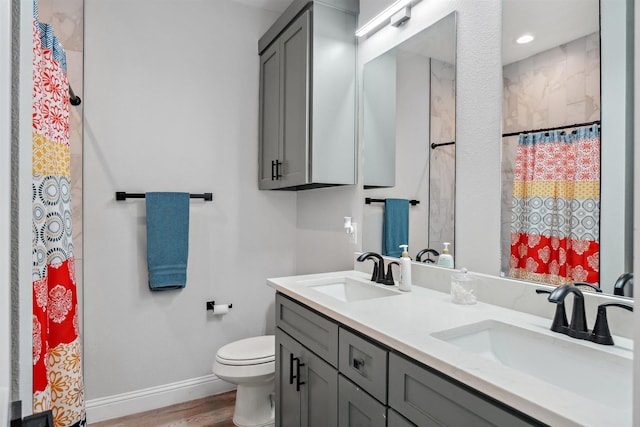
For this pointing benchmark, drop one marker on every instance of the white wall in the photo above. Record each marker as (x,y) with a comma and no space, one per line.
(171,104)
(636,218)
(5,207)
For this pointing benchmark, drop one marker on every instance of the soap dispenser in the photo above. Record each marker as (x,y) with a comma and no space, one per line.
(445,259)
(405,270)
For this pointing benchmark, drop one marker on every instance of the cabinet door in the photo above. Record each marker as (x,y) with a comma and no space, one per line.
(288,401)
(294,120)
(320,398)
(269,146)
(306,386)
(357,408)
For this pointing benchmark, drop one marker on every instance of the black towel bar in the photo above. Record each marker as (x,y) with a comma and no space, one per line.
(122,195)
(369,200)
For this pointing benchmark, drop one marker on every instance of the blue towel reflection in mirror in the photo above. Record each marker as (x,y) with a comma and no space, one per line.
(395,226)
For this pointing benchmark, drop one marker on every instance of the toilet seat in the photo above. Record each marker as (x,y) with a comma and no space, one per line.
(248,351)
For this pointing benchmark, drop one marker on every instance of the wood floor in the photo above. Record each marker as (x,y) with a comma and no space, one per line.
(213,411)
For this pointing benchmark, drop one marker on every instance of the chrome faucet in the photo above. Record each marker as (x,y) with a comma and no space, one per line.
(578,326)
(378,266)
(428,252)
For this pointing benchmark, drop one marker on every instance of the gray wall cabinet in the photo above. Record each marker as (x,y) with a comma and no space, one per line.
(347,379)
(307,119)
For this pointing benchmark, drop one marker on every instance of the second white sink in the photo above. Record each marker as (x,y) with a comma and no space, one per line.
(575,366)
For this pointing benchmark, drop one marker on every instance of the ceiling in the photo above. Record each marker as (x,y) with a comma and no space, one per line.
(552,22)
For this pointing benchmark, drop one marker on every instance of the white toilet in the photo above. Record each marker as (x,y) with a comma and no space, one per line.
(250,363)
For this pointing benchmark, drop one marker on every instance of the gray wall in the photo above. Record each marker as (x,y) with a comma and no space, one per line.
(171,104)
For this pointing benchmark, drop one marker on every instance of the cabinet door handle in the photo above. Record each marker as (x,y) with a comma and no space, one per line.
(358,363)
(278,174)
(298,382)
(291,359)
(273,172)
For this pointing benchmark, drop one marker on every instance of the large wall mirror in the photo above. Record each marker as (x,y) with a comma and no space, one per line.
(408,138)
(567,146)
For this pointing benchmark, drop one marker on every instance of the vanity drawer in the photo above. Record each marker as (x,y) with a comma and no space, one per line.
(364,363)
(357,408)
(428,398)
(312,330)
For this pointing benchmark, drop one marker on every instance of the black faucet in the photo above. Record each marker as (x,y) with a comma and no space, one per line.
(388,278)
(559,323)
(578,326)
(378,266)
(427,251)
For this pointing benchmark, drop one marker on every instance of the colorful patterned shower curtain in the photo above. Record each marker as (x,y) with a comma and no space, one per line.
(556,207)
(57,365)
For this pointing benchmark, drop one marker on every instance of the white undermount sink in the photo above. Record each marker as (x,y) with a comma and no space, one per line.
(350,289)
(570,364)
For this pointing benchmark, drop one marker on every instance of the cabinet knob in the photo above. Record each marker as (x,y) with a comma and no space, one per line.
(358,363)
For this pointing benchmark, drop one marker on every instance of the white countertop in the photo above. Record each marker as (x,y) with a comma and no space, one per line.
(405,322)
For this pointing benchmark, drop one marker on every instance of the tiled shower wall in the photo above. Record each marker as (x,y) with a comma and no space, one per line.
(67,19)
(442,163)
(558,87)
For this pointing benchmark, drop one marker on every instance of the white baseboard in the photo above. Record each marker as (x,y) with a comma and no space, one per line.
(120,405)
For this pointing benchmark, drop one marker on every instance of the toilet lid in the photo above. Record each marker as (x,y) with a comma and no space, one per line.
(249,351)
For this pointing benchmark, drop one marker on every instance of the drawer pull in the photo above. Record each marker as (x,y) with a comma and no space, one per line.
(358,363)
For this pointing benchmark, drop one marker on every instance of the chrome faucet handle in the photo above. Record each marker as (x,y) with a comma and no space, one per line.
(601,333)
(388,278)
(559,323)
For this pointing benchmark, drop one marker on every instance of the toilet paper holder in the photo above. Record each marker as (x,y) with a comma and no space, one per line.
(211,305)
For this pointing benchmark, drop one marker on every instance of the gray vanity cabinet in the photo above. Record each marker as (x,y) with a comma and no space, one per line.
(306,360)
(307,97)
(427,398)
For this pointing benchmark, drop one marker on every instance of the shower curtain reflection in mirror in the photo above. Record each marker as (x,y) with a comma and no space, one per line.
(556,207)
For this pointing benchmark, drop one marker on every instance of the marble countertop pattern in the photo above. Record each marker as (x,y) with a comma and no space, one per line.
(405,323)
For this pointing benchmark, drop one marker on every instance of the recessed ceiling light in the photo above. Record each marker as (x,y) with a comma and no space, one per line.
(525,38)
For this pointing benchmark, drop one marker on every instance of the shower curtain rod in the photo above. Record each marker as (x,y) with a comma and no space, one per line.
(442,144)
(576,125)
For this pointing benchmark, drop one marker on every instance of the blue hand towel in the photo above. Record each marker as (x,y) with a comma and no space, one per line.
(395,226)
(167,239)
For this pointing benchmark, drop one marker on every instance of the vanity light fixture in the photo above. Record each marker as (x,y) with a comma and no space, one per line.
(525,38)
(400,11)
